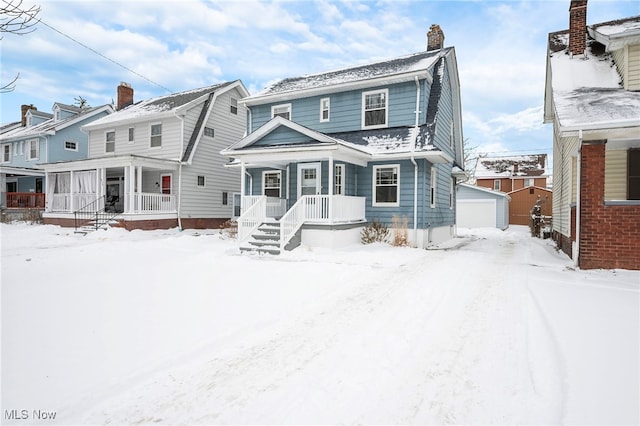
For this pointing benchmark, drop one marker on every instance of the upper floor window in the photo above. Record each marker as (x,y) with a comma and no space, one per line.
(110,141)
(374,109)
(386,185)
(6,153)
(283,110)
(497,184)
(156,135)
(33,149)
(70,146)
(132,134)
(528,182)
(208,131)
(324,109)
(234,106)
(200,180)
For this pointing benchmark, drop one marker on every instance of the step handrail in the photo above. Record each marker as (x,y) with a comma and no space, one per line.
(251,219)
(95,210)
(292,221)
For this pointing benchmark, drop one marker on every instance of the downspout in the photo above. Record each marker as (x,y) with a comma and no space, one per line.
(576,252)
(415,164)
(180,170)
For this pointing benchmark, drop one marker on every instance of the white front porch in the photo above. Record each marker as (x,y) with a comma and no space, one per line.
(328,210)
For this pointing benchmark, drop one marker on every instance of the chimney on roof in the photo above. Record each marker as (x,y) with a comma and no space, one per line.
(577,27)
(435,38)
(23,113)
(125,95)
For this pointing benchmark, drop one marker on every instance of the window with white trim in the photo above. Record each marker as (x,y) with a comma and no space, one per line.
(528,182)
(6,153)
(375,109)
(271,183)
(70,146)
(497,184)
(200,180)
(338,179)
(386,185)
(155,139)
(233,108)
(225,198)
(208,131)
(110,141)
(132,134)
(33,149)
(283,111)
(432,190)
(325,104)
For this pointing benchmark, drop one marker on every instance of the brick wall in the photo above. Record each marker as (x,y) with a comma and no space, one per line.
(609,235)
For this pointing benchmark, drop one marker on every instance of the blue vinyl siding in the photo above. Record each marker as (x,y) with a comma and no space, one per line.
(346,109)
(282,136)
(445,116)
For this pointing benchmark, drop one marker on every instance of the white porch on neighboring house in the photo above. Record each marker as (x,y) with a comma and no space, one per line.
(130,186)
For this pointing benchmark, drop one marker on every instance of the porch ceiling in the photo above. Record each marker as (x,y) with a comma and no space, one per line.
(112,162)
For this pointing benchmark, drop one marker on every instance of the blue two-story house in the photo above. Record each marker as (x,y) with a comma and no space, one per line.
(327,153)
(40,138)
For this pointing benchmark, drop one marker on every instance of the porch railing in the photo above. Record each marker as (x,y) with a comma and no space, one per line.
(276,207)
(25,200)
(252,216)
(152,202)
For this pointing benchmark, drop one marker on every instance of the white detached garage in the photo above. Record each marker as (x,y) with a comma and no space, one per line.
(478,207)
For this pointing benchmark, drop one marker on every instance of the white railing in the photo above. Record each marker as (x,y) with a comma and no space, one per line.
(276,207)
(82,200)
(252,217)
(247,201)
(292,221)
(152,202)
(347,209)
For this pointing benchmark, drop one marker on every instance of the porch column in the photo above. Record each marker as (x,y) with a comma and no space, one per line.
(3,189)
(331,189)
(138,187)
(72,201)
(243,184)
(129,176)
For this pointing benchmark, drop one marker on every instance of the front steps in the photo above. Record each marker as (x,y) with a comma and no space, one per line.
(93,226)
(266,239)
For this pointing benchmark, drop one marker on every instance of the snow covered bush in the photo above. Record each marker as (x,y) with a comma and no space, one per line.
(374,232)
(400,233)
(229,229)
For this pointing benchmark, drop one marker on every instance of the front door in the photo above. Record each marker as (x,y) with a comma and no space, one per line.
(308,179)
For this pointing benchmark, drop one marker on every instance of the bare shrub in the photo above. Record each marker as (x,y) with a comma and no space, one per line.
(400,232)
(375,232)
(229,229)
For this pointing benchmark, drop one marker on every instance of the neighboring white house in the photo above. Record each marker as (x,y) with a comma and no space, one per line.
(478,207)
(155,163)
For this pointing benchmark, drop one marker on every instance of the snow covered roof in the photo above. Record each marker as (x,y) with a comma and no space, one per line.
(616,34)
(50,126)
(522,166)
(71,108)
(586,89)
(158,105)
(396,67)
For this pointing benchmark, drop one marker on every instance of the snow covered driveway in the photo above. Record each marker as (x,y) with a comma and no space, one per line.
(168,327)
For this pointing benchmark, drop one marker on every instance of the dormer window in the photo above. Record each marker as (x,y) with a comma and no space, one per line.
(283,111)
(374,109)
(29,119)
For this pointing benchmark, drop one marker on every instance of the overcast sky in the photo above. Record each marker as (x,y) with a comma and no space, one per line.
(178,45)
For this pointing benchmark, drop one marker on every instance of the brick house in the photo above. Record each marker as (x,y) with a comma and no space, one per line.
(509,173)
(592,97)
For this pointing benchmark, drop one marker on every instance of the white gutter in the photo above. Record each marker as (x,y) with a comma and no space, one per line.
(576,251)
(415,165)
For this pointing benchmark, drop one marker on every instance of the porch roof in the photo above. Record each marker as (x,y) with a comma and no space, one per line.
(111,162)
(22,171)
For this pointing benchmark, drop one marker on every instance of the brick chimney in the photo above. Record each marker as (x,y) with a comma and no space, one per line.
(577,27)
(125,96)
(23,113)
(435,38)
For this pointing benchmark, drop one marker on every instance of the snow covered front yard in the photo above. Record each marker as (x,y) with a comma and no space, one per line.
(169,327)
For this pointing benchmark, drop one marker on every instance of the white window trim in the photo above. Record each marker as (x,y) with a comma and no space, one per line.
(71,149)
(204,181)
(433,188)
(328,109)
(107,142)
(151,135)
(374,202)
(129,138)
(287,106)
(386,109)
(341,185)
(499,182)
(271,172)
(3,156)
(170,180)
(28,156)
(231,105)
(318,167)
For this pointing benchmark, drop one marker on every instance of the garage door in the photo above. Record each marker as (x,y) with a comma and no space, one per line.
(476,213)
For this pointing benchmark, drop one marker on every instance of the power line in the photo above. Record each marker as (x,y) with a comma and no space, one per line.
(105,57)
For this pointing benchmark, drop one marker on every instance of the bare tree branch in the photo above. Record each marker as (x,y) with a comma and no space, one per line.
(16,20)
(10,87)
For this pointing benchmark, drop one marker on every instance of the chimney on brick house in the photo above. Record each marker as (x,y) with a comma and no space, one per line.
(577,27)
(435,38)
(23,113)
(125,96)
